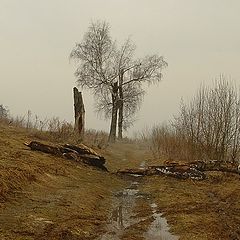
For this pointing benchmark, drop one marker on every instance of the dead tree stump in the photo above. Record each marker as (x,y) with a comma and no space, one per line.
(79,111)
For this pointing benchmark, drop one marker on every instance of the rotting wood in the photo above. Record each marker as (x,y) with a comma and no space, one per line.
(215,165)
(180,172)
(193,170)
(83,149)
(136,171)
(79,153)
(79,111)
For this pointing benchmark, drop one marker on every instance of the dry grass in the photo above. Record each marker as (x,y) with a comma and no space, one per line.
(199,210)
(55,130)
(47,197)
(44,197)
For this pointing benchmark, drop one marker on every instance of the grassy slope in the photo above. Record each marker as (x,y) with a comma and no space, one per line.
(42,195)
(46,197)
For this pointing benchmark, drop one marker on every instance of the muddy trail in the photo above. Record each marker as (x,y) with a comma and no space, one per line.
(50,212)
(123,216)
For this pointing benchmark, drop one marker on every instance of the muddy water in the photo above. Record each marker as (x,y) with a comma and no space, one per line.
(159,229)
(123,217)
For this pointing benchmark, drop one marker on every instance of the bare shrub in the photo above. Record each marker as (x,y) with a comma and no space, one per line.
(210,122)
(206,128)
(4,113)
(163,142)
(61,130)
(96,138)
(58,131)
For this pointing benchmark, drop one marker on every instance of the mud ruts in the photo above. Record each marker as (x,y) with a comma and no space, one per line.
(122,216)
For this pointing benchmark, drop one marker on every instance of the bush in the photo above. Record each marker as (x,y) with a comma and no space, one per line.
(3,112)
(207,128)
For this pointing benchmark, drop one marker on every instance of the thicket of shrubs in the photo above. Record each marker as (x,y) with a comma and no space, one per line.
(208,127)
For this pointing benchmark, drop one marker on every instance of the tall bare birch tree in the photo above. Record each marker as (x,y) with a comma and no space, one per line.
(113,75)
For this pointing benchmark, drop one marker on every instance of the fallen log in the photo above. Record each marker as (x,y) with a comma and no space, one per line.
(215,165)
(208,165)
(136,171)
(37,146)
(85,152)
(181,172)
(193,170)
(79,153)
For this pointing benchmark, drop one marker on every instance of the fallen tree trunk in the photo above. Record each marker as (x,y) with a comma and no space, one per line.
(182,172)
(44,148)
(193,170)
(84,150)
(215,165)
(136,171)
(79,153)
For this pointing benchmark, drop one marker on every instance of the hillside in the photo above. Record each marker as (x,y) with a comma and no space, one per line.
(46,197)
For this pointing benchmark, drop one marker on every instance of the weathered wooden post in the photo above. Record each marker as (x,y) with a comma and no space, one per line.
(79,111)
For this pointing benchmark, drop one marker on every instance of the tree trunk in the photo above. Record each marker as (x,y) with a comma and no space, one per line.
(181,172)
(120,108)
(79,112)
(120,121)
(113,127)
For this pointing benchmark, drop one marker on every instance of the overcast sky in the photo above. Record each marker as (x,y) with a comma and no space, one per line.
(199,40)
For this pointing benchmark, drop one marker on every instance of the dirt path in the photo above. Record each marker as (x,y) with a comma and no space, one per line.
(124,216)
(129,219)
(44,197)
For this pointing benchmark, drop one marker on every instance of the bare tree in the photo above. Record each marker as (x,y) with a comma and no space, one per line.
(148,69)
(114,75)
(96,69)
(128,105)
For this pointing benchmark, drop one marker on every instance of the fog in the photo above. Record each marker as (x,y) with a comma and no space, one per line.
(199,40)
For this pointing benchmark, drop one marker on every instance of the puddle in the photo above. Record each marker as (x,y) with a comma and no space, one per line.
(123,217)
(159,228)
